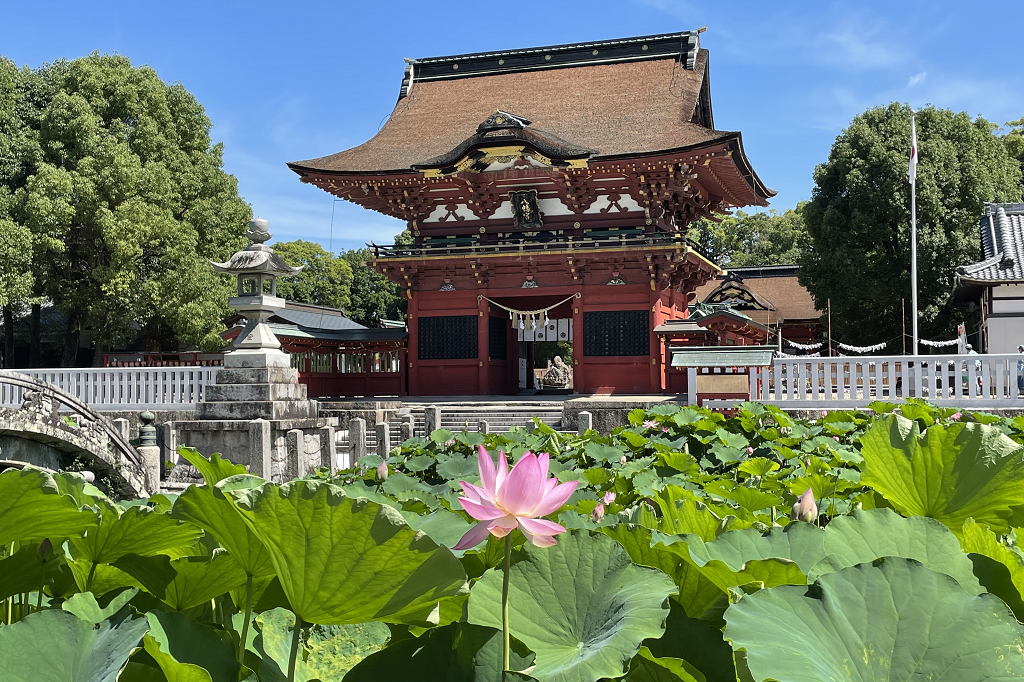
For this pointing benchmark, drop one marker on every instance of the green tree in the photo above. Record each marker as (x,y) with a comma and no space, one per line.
(373,297)
(127,201)
(1014,141)
(858,218)
(769,238)
(325,279)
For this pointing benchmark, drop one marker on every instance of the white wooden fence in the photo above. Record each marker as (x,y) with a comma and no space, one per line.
(975,382)
(122,388)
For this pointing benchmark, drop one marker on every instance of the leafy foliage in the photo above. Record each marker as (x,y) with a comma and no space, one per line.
(325,278)
(695,571)
(858,218)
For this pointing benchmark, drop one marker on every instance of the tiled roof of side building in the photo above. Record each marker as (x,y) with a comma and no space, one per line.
(634,102)
(1002,246)
(775,284)
(327,319)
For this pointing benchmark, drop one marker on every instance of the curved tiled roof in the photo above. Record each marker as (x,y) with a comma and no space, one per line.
(634,106)
(1002,246)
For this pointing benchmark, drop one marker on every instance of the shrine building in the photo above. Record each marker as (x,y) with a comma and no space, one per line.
(547,191)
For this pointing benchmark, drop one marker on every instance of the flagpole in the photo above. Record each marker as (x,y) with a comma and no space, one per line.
(913,233)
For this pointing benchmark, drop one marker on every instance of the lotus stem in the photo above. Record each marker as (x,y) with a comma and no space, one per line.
(505,651)
(295,647)
(88,581)
(248,615)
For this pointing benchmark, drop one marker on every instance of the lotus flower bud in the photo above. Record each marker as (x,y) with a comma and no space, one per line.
(89,476)
(622,460)
(805,508)
(598,513)
(750,450)
(955,416)
(609,497)
(835,438)
(45,550)
(382,472)
(824,413)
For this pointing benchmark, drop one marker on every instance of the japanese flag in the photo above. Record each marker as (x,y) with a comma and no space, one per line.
(912,172)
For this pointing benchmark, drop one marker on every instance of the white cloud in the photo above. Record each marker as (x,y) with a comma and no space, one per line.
(914,80)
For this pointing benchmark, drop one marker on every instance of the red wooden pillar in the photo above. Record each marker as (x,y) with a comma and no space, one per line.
(579,374)
(413,366)
(483,347)
(652,341)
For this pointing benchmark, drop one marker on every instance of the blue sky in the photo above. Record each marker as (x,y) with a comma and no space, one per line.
(285,81)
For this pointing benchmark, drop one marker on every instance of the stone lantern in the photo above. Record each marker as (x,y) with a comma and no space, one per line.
(257,268)
(257,381)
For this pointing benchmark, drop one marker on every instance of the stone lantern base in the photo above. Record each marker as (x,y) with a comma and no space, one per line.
(256,384)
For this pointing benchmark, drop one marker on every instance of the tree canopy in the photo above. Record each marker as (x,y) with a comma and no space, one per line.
(769,238)
(113,173)
(324,280)
(373,296)
(858,218)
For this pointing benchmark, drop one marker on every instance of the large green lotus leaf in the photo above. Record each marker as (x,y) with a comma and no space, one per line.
(29,570)
(636,540)
(766,572)
(442,526)
(645,667)
(998,568)
(336,649)
(266,595)
(950,473)
(58,646)
(99,578)
(138,530)
(74,485)
(342,560)
(683,514)
(85,606)
(802,543)
(896,620)
(188,652)
(32,507)
(695,642)
(459,652)
(273,642)
(875,533)
(212,511)
(213,469)
(582,606)
(199,579)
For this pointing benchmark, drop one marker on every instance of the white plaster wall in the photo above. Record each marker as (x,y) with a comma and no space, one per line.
(1005,333)
(440,211)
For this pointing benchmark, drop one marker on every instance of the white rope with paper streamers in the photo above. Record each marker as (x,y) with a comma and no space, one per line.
(518,317)
(939,344)
(862,349)
(803,346)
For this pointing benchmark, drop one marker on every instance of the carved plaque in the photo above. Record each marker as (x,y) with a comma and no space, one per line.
(525,213)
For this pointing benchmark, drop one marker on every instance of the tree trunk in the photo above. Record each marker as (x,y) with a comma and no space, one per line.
(74,332)
(8,337)
(35,350)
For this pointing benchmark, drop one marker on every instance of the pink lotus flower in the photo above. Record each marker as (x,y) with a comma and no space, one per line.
(622,460)
(382,472)
(835,438)
(955,416)
(824,413)
(650,424)
(598,513)
(750,450)
(665,429)
(805,509)
(507,499)
(609,497)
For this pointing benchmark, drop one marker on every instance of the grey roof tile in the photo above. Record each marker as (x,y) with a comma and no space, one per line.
(1002,246)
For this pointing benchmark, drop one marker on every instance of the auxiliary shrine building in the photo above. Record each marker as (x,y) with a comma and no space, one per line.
(547,192)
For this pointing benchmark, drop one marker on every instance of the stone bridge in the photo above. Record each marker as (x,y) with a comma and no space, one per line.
(52,429)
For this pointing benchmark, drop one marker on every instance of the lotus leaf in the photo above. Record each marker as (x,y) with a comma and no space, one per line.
(582,606)
(58,646)
(868,535)
(948,473)
(188,652)
(32,507)
(342,560)
(209,509)
(896,620)
(213,469)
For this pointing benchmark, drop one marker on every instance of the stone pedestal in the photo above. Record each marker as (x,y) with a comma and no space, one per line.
(259,384)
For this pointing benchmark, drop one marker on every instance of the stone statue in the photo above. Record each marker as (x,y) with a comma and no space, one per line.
(559,375)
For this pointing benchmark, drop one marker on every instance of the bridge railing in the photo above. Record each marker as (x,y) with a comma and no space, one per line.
(122,388)
(972,381)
